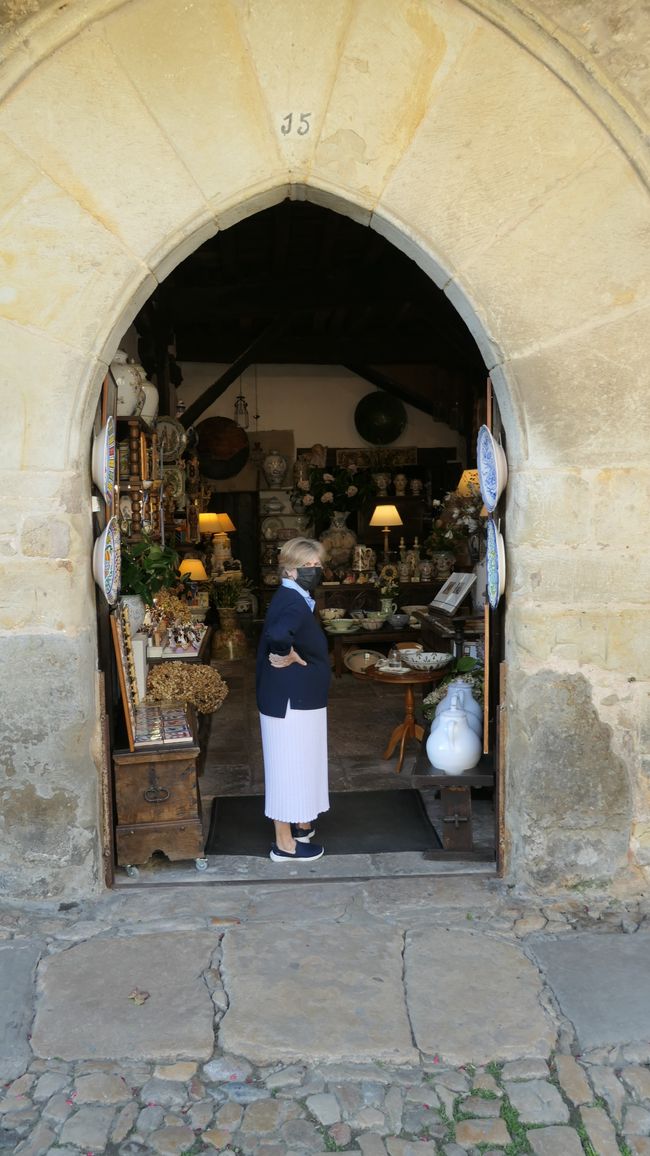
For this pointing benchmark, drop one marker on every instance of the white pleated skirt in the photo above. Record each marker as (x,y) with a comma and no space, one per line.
(295,765)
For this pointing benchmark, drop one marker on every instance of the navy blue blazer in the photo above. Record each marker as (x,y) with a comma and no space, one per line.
(289,622)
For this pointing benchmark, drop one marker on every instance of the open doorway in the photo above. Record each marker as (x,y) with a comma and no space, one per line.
(281,326)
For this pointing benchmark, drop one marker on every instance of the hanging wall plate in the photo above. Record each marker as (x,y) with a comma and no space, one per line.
(172,438)
(495,563)
(492,468)
(107,561)
(103,460)
(223,448)
(380,418)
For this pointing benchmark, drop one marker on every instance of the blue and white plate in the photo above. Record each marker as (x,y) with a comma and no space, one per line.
(103,460)
(492,468)
(107,559)
(495,563)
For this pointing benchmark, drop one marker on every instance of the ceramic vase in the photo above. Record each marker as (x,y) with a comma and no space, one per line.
(129,380)
(339,540)
(387,606)
(442,562)
(275,468)
(229,641)
(453,746)
(462,692)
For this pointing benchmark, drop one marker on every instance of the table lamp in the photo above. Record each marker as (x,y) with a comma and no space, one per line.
(385,516)
(194,569)
(220,526)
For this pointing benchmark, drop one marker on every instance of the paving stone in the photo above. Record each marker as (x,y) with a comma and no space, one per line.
(243,1093)
(638,1145)
(273,1013)
(201,1115)
(371,1144)
(302,1136)
(456,1150)
(456,1081)
(537,1102)
(556,1141)
(22,1086)
(229,1116)
(58,1108)
(428,1096)
(150,1119)
(289,1077)
(167,1093)
(479,1106)
(393,1107)
(601,1131)
(349,1098)
(17,973)
(573,1081)
(369,1119)
(9,1139)
(325,1108)
(638,1053)
(171,1141)
(602,984)
(218,1137)
(89,1128)
(101,1088)
(528,924)
(228,1067)
(473,1132)
(397,1147)
(261,1117)
(636,1120)
(486,1083)
(610,1089)
(637,1080)
(447,1099)
(528,1068)
(85,1011)
(181,1071)
(124,1122)
(48,1085)
(340,1133)
(38,1142)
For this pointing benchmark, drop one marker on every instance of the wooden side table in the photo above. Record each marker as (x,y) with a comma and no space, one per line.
(408,728)
(367,640)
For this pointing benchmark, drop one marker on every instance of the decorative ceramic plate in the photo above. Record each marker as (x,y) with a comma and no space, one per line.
(492,468)
(358,661)
(107,561)
(341,633)
(384,668)
(380,418)
(174,483)
(172,438)
(496,564)
(103,460)
(269,527)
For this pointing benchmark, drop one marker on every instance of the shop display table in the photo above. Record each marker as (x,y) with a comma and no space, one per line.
(202,655)
(368,639)
(408,728)
(455,802)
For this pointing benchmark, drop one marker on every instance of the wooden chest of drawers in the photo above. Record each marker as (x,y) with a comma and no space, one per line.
(158,804)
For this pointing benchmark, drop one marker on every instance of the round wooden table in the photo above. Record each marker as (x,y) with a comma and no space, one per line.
(408,728)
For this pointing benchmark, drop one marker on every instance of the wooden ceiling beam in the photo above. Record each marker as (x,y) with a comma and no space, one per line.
(231,374)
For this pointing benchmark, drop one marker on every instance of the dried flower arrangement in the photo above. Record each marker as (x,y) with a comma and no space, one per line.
(202,686)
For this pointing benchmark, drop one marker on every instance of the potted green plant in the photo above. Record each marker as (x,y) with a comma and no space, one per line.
(147,567)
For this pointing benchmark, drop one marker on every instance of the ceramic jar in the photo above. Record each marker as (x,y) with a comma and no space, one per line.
(462,691)
(274,466)
(443,562)
(387,606)
(339,540)
(129,379)
(453,746)
(150,408)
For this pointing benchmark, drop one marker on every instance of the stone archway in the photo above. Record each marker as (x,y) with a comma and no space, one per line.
(130,134)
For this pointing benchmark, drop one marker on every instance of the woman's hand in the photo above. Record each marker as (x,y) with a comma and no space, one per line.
(281,660)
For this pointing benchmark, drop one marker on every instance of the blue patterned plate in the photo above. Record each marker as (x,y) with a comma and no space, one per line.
(103,460)
(492,468)
(495,564)
(107,561)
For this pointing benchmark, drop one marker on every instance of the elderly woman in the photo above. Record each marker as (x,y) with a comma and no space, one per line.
(293,678)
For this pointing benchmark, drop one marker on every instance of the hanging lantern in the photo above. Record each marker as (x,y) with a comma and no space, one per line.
(241,411)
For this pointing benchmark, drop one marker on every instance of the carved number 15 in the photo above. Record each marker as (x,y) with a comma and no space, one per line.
(300,125)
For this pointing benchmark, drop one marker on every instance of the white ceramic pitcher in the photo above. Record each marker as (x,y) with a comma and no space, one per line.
(463,692)
(453,746)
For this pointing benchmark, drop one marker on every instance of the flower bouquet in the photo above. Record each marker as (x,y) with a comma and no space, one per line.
(341,488)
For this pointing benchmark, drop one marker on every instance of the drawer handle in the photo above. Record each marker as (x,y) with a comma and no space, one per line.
(156,794)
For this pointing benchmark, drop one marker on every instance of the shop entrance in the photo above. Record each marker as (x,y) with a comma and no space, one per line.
(280,330)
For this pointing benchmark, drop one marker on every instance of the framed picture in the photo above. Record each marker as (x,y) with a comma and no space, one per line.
(453,593)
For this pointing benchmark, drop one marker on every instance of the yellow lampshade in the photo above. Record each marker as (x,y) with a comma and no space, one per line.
(209,524)
(226,526)
(194,569)
(468,484)
(385,516)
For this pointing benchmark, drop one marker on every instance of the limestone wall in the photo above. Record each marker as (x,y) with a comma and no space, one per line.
(488,145)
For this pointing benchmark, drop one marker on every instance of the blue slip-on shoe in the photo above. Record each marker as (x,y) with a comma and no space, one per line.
(303,852)
(302,834)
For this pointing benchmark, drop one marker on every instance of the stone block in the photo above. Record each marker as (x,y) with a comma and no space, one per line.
(45,538)
(470,1133)
(601,1131)
(555,1141)
(88,1128)
(17,973)
(537,1102)
(573,1080)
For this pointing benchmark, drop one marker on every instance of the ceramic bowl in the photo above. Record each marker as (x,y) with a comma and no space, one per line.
(359,661)
(411,610)
(398,621)
(425,659)
(341,625)
(372,623)
(332,612)
(376,614)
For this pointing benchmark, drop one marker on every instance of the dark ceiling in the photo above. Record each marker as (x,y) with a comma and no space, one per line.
(297,283)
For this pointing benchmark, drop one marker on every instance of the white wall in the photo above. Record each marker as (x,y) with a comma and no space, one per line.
(316,402)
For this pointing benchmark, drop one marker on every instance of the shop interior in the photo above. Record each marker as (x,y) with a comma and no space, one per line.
(296,375)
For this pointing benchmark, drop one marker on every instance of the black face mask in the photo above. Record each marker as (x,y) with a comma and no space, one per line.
(309,576)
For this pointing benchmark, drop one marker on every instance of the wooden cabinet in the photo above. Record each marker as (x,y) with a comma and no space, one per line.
(158,805)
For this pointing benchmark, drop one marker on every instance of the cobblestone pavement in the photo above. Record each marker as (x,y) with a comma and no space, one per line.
(592,1104)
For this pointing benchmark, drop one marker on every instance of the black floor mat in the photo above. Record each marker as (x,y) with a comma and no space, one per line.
(357,823)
